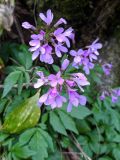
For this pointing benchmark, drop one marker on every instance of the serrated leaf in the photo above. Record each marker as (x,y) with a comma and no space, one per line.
(67,121)
(10,81)
(56,123)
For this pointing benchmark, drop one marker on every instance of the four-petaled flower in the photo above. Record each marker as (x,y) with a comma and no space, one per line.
(48,18)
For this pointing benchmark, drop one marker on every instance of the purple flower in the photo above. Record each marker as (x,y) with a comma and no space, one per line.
(70,83)
(78,56)
(48,18)
(102,97)
(107,68)
(41,81)
(75,99)
(94,47)
(63,36)
(46,54)
(54,80)
(115,94)
(60,48)
(58,33)
(65,64)
(35,44)
(52,98)
(114,99)
(87,67)
(80,80)
(60,21)
(27,25)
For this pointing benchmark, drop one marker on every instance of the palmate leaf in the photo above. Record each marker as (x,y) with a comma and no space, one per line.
(21,152)
(79,112)
(67,121)
(39,144)
(26,136)
(10,81)
(39,141)
(57,124)
(47,138)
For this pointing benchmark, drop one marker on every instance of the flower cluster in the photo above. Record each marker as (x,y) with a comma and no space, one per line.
(59,83)
(85,57)
(54,40)
(49,41)
(114,94)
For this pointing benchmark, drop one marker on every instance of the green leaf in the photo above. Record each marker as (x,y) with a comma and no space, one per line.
(22,151)
(10,81)
(67,121)
(27,78)
(83,126)
(116,153)
(44,117)
(80,112)
(65,142)
(25,57)
(56,156)
(26,136)
(56,68)
(39,145)
(105,158)
(2,104)
(3,136)
(25,115)
(56,123)
(20,83)
(48,139)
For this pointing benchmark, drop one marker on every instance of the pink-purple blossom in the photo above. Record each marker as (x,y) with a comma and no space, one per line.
(57,83)
(52,40)
(84,58)
(113,93)
(60,21)
(52,98)
(55,79)
(75,99)
(107,68)
(27,25)
(48,18)
(94,47)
